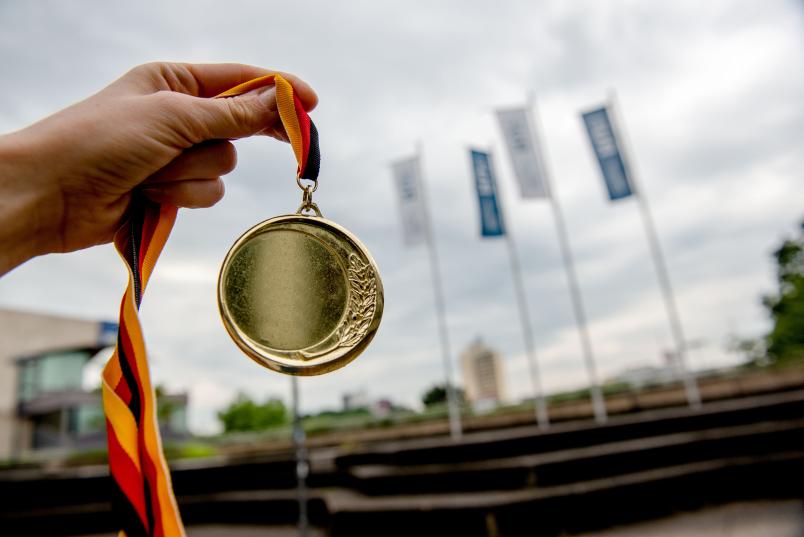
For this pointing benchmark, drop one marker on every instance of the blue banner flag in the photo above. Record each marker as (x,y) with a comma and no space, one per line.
(608,152)
(491,221)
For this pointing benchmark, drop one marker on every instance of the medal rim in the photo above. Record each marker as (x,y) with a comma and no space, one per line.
(297,366)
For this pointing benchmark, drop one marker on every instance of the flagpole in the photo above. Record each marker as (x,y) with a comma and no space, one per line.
(690,383)
(302,464)
(578,310)
(453,408)
(542,417)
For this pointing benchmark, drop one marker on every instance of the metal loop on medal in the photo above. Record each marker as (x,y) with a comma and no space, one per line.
(314,184)
(307,204)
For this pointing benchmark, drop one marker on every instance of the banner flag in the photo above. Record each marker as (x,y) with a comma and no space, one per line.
(523,149)
(411,207)
(608,152)
(490,212)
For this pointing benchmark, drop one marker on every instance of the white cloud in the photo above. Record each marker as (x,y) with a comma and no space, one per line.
(710,97)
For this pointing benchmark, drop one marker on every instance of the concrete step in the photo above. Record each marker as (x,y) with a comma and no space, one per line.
(580,464)
(530,440)
(492,479)
(569,508)
(254,507)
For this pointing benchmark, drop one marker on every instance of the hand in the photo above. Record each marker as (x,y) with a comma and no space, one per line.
(66,181)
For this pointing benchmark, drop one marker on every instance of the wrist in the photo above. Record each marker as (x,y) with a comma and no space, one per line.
(29,203)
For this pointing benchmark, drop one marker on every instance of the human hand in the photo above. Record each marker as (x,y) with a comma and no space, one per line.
(66,181)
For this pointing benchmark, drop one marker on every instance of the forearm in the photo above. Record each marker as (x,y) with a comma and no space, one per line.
(29,203)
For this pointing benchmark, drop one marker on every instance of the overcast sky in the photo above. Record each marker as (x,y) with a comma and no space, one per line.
(712,99)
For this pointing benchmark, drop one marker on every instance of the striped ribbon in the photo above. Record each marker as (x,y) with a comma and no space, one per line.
(143,496)
(300,128)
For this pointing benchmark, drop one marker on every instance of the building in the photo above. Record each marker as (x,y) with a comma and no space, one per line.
(43,403)
(483,375)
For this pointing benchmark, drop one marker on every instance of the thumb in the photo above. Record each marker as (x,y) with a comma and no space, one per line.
(235,117)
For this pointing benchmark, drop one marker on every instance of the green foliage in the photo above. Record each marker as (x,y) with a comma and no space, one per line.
(329,421)
(351,412)
(244,414)
(754,350)
(164,407)
(610,388)
(184,450)
(573,395)
(87,457)
(613,388)
(785,343)
(189,450)
(438,395)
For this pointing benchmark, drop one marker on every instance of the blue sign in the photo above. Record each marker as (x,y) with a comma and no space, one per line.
(491,221)
(608,152)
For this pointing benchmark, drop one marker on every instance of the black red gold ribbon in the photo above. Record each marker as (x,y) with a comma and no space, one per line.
(143,497)
(299,127)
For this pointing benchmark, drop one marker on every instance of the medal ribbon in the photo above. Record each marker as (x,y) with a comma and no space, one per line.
(143,496)
(299,127)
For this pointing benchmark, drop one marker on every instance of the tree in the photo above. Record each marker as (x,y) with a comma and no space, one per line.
(244,414)
(438,394)
(786,341)
(165,408)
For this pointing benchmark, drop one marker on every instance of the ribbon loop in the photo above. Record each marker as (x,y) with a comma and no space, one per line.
(299,127)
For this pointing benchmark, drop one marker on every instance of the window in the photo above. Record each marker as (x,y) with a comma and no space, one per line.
(54,372)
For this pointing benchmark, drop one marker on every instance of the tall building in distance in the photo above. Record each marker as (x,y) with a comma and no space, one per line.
(483,375)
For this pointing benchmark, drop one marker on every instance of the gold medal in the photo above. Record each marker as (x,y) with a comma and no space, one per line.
(298,293)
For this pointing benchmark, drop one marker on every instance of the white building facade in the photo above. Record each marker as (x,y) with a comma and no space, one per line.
(483,375)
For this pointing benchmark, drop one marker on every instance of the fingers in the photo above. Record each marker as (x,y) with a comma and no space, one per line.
(181,100)
(215,78)
(200,119)
(193,178)
(211,159)
(206,80)
(193,194)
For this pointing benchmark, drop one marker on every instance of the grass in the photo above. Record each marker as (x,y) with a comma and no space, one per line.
(184,450)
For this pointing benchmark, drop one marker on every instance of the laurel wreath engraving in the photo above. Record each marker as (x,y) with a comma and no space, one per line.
(362,303)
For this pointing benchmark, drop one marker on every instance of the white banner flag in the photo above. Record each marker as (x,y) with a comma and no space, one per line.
(411,208)
(524,152)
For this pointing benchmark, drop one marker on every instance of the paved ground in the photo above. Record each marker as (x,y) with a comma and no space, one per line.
(242,531)
(249,531)
(749,519)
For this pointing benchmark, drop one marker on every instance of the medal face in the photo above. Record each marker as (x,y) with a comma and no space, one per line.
(300,295)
